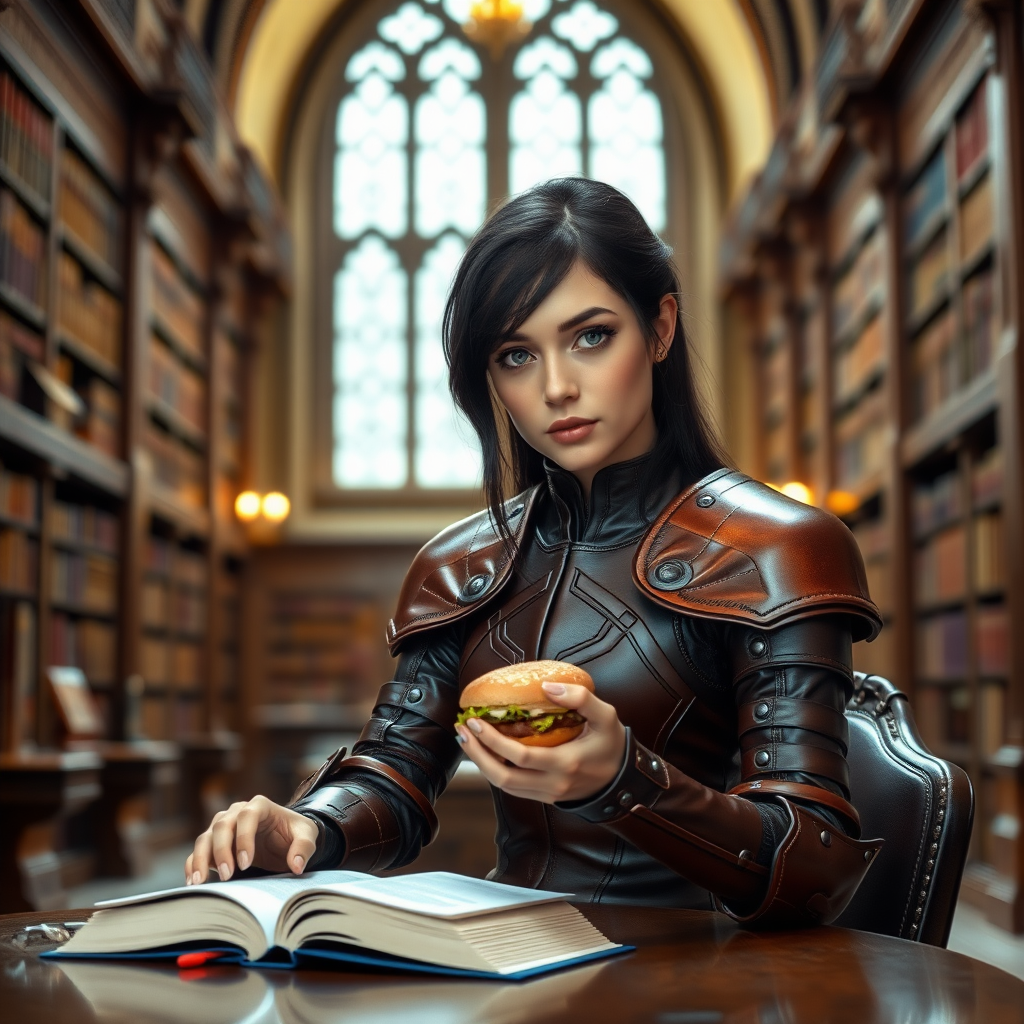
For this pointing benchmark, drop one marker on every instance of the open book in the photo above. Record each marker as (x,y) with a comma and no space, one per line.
(435,921)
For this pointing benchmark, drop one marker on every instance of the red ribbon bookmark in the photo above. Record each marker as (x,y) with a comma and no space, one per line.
(197,959)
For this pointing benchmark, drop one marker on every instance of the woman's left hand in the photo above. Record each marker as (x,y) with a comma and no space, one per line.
(575,770)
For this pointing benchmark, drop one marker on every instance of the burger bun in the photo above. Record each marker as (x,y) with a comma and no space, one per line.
(521,685)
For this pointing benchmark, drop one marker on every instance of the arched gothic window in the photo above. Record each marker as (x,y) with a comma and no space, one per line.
(427,132)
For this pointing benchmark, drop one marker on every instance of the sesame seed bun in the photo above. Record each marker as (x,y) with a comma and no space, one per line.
(521,684)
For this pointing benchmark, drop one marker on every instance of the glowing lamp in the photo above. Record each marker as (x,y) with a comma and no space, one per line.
(842,503)
(276,507)
(247,506)
(495,24)
(799,491)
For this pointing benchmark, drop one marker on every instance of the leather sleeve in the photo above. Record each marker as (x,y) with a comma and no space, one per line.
(369,822)
(775,849)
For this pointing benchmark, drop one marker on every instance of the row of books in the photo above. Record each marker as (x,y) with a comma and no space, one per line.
(861,286)
(176,466)
(992,631)
(940,568)
(860,442)
(987,477)
(19,497)
(929,276)
(927,196)
(19,561)
(87,643)
(84,524)
(87,582)
(87,312)
(942,650)
(22,251)
(989,553)
(776,387)
(977,220)
(978,301)
(935,503)
(943,716)
(175,305)
(18,344)
(176,385)
(859,362)
(314,690)
(972,131)
(100,423)
(165,558)
(176,664)
(935,366)
(26,137)
(88,210)
(182,611)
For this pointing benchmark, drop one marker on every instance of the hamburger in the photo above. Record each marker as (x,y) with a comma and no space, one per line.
(511,699)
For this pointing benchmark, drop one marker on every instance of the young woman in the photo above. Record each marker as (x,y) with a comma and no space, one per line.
(714,615)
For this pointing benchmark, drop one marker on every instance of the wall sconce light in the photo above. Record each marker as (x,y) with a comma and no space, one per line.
(799,491)
(495,24)
(274,507)
(842,503)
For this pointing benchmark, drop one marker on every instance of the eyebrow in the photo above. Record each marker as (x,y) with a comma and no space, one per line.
(572,322)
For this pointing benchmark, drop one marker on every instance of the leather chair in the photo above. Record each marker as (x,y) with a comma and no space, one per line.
(921,805)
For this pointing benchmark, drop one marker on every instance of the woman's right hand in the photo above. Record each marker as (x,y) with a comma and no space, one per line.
(253,832)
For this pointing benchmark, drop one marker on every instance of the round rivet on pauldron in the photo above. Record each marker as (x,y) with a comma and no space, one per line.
(706,501)
(415,695)
(826,838)
(475,587)
(625,798)
(762,710)
(762,759)
(655,764)
(758,646)
(672,574)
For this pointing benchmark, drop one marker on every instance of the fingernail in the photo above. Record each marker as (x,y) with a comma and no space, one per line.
(243,860)
(459,738)
(188,881)
(297,861)
(555,689)
(224,871)
(474,724)
(196,878)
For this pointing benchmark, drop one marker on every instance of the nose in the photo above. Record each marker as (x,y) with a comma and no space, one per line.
(559,382)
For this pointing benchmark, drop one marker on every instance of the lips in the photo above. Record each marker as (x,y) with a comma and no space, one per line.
(569,430)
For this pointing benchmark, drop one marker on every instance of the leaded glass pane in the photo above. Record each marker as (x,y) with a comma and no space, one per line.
(459,10)
(370,368)
(584,25)
(545,119)
(624,123)
(410,28)
(446,451)
(451,176)
(371,166)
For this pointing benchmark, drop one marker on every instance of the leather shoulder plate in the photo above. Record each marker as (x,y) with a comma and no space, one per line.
(732,548)
(456,572)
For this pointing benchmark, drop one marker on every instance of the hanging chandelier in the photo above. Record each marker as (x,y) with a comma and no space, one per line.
(495,24)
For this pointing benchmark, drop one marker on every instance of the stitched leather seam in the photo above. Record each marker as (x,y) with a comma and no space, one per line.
(814,660)
(698,672)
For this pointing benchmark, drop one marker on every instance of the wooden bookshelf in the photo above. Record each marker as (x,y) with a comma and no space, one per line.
(912,163)
(120,456)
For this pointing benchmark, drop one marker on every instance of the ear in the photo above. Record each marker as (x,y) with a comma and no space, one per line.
(665,326)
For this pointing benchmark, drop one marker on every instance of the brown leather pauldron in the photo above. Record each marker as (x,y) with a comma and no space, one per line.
(726,548)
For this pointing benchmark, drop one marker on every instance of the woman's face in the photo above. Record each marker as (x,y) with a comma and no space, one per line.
(576,376)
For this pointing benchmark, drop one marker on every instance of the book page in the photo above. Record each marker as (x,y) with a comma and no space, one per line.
(438,893)
(261,897)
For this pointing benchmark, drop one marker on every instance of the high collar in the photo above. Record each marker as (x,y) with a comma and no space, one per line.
(620,508)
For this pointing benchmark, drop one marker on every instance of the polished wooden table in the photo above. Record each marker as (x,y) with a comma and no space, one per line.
(690,967)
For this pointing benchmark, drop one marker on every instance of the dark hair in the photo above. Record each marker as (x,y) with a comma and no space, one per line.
(512,264)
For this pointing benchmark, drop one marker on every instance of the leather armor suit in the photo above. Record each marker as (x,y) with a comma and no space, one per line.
(718,620)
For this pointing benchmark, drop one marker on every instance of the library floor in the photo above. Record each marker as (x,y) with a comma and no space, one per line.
(972,935)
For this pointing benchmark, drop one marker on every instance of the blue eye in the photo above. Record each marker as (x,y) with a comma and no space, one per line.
(514,357)
(594,337)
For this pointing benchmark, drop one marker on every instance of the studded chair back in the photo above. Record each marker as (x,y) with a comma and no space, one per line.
(923,808)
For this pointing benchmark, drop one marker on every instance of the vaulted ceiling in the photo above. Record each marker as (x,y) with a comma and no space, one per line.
(752,55)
